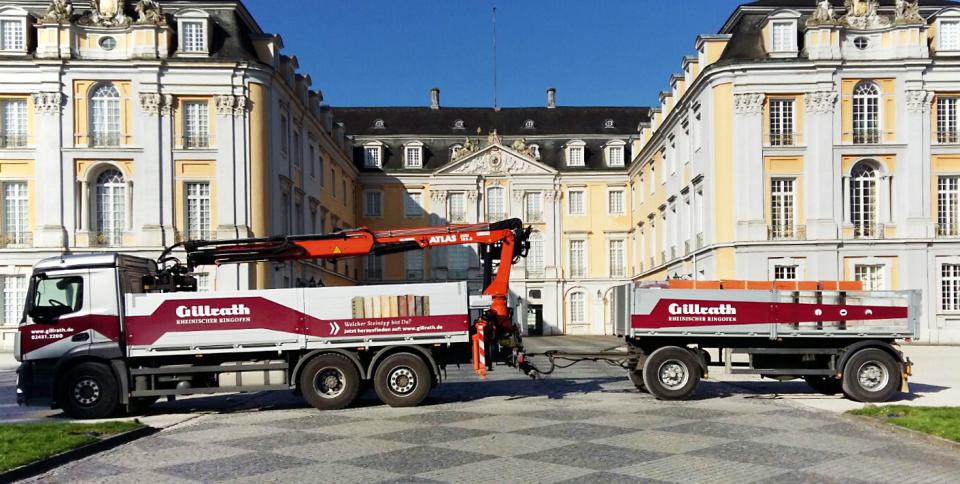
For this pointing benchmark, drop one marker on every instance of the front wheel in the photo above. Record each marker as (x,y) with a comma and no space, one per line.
(671,373)
(89,390)
(402,380)
(330,382)
(871,375)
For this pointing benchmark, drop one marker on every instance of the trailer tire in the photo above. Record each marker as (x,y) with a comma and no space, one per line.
(329,382)
(89,390)
(671,373)
(636,377)
(826,385)
(402,380)
(871,375)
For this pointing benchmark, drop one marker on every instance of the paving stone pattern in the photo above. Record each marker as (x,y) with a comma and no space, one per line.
(587,424)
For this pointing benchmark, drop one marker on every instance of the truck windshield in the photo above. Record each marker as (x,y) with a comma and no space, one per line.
(56,296)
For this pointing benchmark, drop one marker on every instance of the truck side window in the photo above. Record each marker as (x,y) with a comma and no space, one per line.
(56,296)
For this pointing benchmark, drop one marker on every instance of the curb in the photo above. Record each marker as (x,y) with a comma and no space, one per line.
(883,425)
(41,466)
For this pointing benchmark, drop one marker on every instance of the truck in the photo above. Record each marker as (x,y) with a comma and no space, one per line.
(108,332)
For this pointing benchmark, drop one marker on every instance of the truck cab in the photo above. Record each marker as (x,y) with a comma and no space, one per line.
(73,315)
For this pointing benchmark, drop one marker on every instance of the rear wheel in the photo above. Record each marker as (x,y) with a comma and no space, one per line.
(402,380)
(871,375)
(89,390)
(826,385)
(671,373)
(329,382)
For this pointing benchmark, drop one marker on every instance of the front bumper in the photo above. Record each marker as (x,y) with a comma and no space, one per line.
(35,383)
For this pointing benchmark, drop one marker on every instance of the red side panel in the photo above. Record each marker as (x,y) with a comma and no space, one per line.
(35,336)
(672,313)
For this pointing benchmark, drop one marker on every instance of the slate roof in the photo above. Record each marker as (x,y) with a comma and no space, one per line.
(436,129)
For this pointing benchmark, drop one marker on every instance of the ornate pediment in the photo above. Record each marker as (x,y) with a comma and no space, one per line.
(496,159)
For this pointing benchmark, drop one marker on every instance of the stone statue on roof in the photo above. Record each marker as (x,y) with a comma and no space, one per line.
(823,15)
(493,138)
(106,13)
(58,12)
(862,15)
(908,12)
(148,12)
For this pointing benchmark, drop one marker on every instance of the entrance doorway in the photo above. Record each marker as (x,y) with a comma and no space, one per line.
(535,320)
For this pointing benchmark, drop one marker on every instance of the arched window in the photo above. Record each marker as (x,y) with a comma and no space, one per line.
(496,211)
(863,200)
(111,207)
(105,116)
(866,113)
(535,256)
(578,307)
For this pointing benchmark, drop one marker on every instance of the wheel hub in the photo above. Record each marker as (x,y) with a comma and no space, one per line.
(872,376)
(402,380)
(673,374)
(86,392)
(330,382)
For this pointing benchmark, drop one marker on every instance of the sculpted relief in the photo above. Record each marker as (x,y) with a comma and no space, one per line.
(495,161)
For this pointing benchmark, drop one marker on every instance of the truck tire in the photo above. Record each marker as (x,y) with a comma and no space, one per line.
(89,390)
(826,385)
(871,375)
(636,377)
(671,373)
(329,382)
(402,380)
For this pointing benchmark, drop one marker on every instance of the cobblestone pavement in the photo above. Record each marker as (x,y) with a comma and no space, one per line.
(584,424)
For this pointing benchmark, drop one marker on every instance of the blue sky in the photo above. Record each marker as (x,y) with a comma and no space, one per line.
(391,52)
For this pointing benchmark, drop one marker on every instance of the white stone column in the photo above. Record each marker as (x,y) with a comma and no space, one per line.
(913,173)
(748,172)
(143,206)
(49,230)
(552,233)
(226,138)
(166,172)
(819,176)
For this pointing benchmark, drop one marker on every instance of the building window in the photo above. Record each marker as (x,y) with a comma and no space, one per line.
(13,123)
(871,275)
(615,156)
(535,256)
(203,281)
(320,168)
(198,211)
(285,217)
(785,272)
(456,207)
(534,207)
(783,37)
(196,124)
(297,148)
(413,204)
(343,190)
(949,35)
(193,36)
(12,36)
(576,205)
(947,128)
(578,310)
(333,183)
(458,124)
(697,132)
(781,122)
(653,179)
(105,116)
(950,287)
(496,211)
(313,161)
(373,268)
(866,113)
(14,295)
(615,202)
(863,200)
(413,261)
(111,207)
(782,208)
(371,157)
(413,157)
(578,258)
(529,124)
(16,203)
(618,258)
(948,206)
(372,204)
(284,135)
(458,261)
(575,155)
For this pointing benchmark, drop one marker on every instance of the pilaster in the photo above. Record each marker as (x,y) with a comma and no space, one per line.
(748,166)
(820,180)
(49,230)
(915,170)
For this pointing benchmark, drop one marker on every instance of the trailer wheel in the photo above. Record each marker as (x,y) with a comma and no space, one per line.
(402,380)
(826,385)
(89,390)
(329,382)
(671,373)
(871,375)
(636,377)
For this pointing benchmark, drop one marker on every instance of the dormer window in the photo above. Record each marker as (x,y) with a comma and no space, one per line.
(458,124)
(378,124)
(194,32)
(13,31)
(781,34)
(948,32)
(576,153)
(373,155)
(608,124)
(413,155)
(615,154)
(529,124)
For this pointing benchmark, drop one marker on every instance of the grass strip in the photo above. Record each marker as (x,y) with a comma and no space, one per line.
(940,421)
(21,444)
